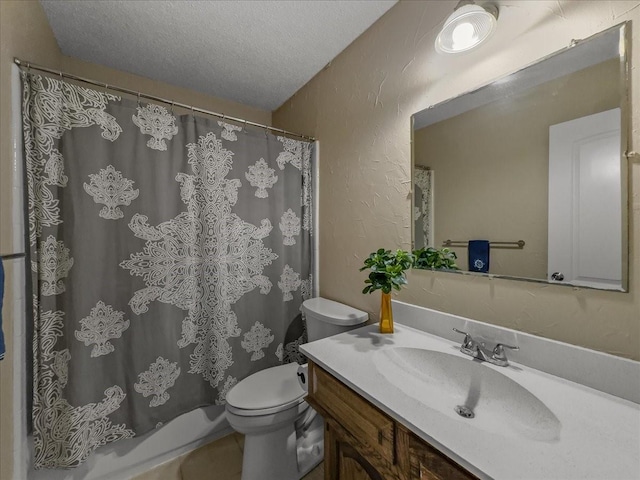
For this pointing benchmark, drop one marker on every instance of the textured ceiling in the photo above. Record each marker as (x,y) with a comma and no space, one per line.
(258,53)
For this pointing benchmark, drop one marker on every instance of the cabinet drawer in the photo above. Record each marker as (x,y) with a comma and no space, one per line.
(364,421)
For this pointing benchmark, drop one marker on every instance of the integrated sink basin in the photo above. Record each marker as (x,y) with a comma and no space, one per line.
(469,391)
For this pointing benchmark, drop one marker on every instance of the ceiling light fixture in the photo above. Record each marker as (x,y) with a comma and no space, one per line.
(467,27)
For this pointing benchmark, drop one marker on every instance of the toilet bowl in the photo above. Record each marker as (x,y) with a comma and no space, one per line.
(283,434)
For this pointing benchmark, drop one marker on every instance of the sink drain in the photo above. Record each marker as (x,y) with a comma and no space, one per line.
(464,411)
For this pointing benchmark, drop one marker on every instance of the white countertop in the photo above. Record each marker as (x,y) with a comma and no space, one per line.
(599,435)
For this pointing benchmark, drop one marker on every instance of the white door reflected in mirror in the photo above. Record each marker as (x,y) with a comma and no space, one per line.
(585,201)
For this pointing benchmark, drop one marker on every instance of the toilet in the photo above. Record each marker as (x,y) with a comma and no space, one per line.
(283,434)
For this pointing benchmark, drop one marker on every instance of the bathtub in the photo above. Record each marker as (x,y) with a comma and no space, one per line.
(127,458)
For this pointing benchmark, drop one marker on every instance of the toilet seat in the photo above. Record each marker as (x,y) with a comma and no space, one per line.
(266,392)
(299,405)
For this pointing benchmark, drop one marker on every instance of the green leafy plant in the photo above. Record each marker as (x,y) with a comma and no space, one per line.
(387,270)
(432,258)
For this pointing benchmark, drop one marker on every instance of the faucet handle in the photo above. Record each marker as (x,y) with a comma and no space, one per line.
(498,351)
(498,357)
(466,335)
(468,341)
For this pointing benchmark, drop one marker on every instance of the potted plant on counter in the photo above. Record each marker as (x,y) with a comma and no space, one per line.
(387,273)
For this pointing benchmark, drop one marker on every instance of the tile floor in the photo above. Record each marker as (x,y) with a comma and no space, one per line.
(219,460)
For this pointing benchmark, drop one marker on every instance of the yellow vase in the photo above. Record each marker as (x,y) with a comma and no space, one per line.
(386,314)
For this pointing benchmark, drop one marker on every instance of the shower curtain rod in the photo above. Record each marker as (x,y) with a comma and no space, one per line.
(28,66)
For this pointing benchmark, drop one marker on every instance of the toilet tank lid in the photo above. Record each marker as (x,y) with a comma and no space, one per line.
(334,312)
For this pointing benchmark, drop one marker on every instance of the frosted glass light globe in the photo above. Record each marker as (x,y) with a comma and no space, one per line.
(467,27)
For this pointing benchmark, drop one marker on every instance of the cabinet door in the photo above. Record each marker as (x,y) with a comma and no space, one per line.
(354,414)
(348,459)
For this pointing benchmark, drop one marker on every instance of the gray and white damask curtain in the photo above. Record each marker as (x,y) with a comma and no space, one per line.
(170,257)
(423,207)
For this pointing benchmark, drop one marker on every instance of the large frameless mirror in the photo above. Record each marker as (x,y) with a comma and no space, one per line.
(527,177)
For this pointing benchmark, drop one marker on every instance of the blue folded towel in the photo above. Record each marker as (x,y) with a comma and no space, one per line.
(1,295)
(479,256)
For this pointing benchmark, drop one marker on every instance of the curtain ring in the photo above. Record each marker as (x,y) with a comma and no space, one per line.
(223,117)
(138,99)
(193,113)
(172,103)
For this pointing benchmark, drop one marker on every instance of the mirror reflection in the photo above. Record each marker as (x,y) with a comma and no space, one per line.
(526,177)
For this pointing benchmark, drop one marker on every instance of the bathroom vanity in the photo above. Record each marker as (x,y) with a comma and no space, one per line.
(363,443)
(390,402)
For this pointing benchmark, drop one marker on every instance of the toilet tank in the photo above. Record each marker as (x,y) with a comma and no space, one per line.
(326,317)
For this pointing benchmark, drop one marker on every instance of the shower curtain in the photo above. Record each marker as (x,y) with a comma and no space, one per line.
(423,207)
(170,257)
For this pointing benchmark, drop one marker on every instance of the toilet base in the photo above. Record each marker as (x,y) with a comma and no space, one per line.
(310,444)
(271,455)
(282,454)
(288,451)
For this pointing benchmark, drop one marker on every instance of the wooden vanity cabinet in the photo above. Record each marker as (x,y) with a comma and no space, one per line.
(363,443)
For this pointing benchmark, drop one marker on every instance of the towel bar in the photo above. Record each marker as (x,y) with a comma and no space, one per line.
(9,256)
(461,243)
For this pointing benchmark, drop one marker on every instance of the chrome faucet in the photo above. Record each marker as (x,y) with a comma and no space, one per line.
(476,349)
